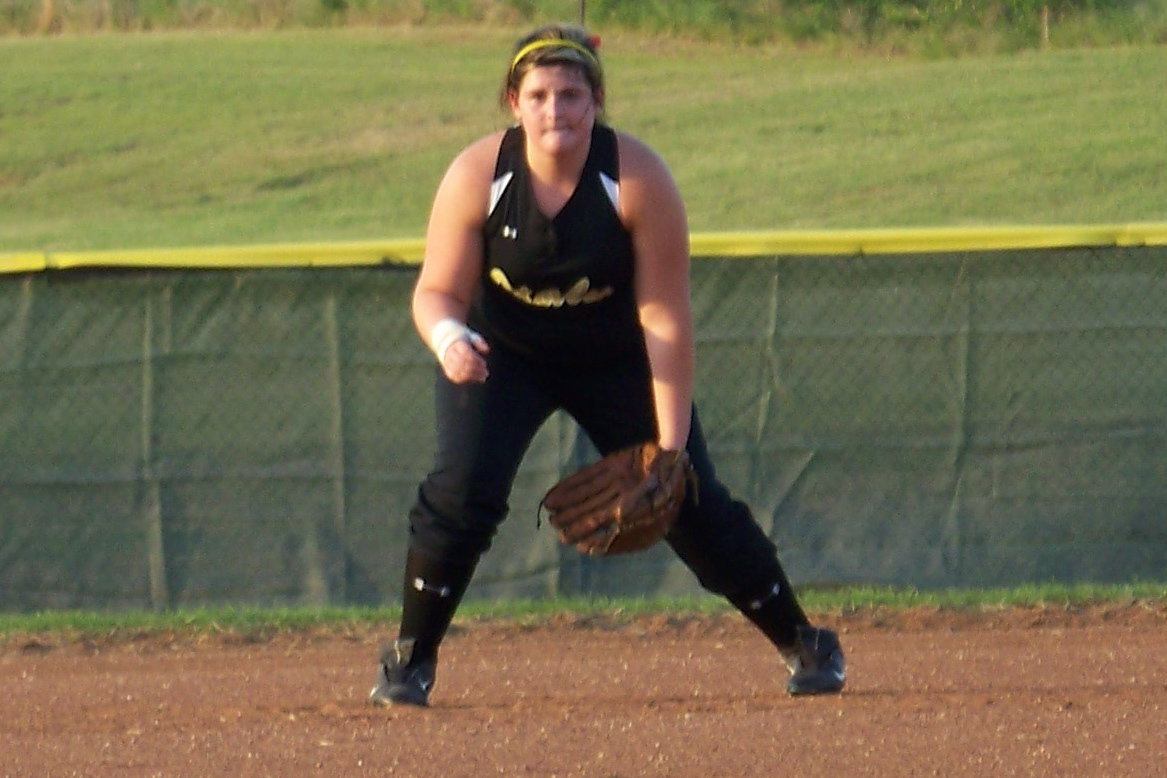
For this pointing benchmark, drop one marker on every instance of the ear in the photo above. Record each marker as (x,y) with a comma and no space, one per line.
(513,102)
(598,96)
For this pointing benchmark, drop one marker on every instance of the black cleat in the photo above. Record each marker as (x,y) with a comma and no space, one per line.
(400,681)
(816,664)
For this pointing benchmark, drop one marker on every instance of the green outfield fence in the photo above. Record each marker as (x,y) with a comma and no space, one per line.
(247,425)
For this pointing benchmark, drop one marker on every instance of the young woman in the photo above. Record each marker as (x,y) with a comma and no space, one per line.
(556,276)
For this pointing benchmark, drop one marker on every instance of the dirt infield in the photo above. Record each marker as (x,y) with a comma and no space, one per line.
(1014,692)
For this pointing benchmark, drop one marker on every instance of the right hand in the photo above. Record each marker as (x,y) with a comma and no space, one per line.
(465,360)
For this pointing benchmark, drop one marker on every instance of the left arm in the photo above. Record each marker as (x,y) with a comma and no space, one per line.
(654,213)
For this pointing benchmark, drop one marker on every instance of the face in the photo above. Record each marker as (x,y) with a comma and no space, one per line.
(556,107)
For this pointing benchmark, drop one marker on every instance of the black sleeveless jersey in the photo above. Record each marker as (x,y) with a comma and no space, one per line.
(558,289)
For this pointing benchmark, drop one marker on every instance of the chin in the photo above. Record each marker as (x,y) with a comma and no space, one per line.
(561,142)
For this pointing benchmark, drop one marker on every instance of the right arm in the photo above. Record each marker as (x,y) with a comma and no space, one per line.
(453,263)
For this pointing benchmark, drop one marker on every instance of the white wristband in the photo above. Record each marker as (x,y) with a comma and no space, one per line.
(447,332)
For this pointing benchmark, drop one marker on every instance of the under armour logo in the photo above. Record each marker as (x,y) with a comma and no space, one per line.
(422,586)
(510,232)
(758,603)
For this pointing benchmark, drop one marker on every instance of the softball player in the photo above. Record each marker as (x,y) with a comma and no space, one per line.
(556,276)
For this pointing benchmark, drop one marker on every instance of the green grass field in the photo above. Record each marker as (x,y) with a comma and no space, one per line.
(220,138)
(257,622)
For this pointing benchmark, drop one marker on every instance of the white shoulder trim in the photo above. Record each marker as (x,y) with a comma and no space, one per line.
(497,187)
(612,187)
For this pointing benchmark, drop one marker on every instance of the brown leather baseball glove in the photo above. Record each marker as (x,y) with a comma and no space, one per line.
(625,502)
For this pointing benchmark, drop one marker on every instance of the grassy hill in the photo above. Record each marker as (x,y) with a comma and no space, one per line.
(192,138)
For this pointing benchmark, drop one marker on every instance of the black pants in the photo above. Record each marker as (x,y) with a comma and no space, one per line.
(483,431)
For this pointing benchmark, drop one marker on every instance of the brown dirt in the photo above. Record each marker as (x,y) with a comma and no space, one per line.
(1016,692)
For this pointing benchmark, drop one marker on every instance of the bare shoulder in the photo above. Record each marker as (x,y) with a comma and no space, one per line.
(481,153)
(638,160)
(476,161)
(465,187)
(646,183)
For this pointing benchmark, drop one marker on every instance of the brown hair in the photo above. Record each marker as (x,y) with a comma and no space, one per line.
(578,48)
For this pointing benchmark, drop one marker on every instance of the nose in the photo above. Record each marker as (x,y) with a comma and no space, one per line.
(555,104)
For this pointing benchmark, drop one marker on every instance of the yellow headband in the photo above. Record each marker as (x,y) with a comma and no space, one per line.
(558,43)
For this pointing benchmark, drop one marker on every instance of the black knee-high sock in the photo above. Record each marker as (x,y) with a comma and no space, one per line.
(775,611)
(432,591)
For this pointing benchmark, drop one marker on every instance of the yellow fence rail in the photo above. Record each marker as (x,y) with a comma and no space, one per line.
(718,244)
